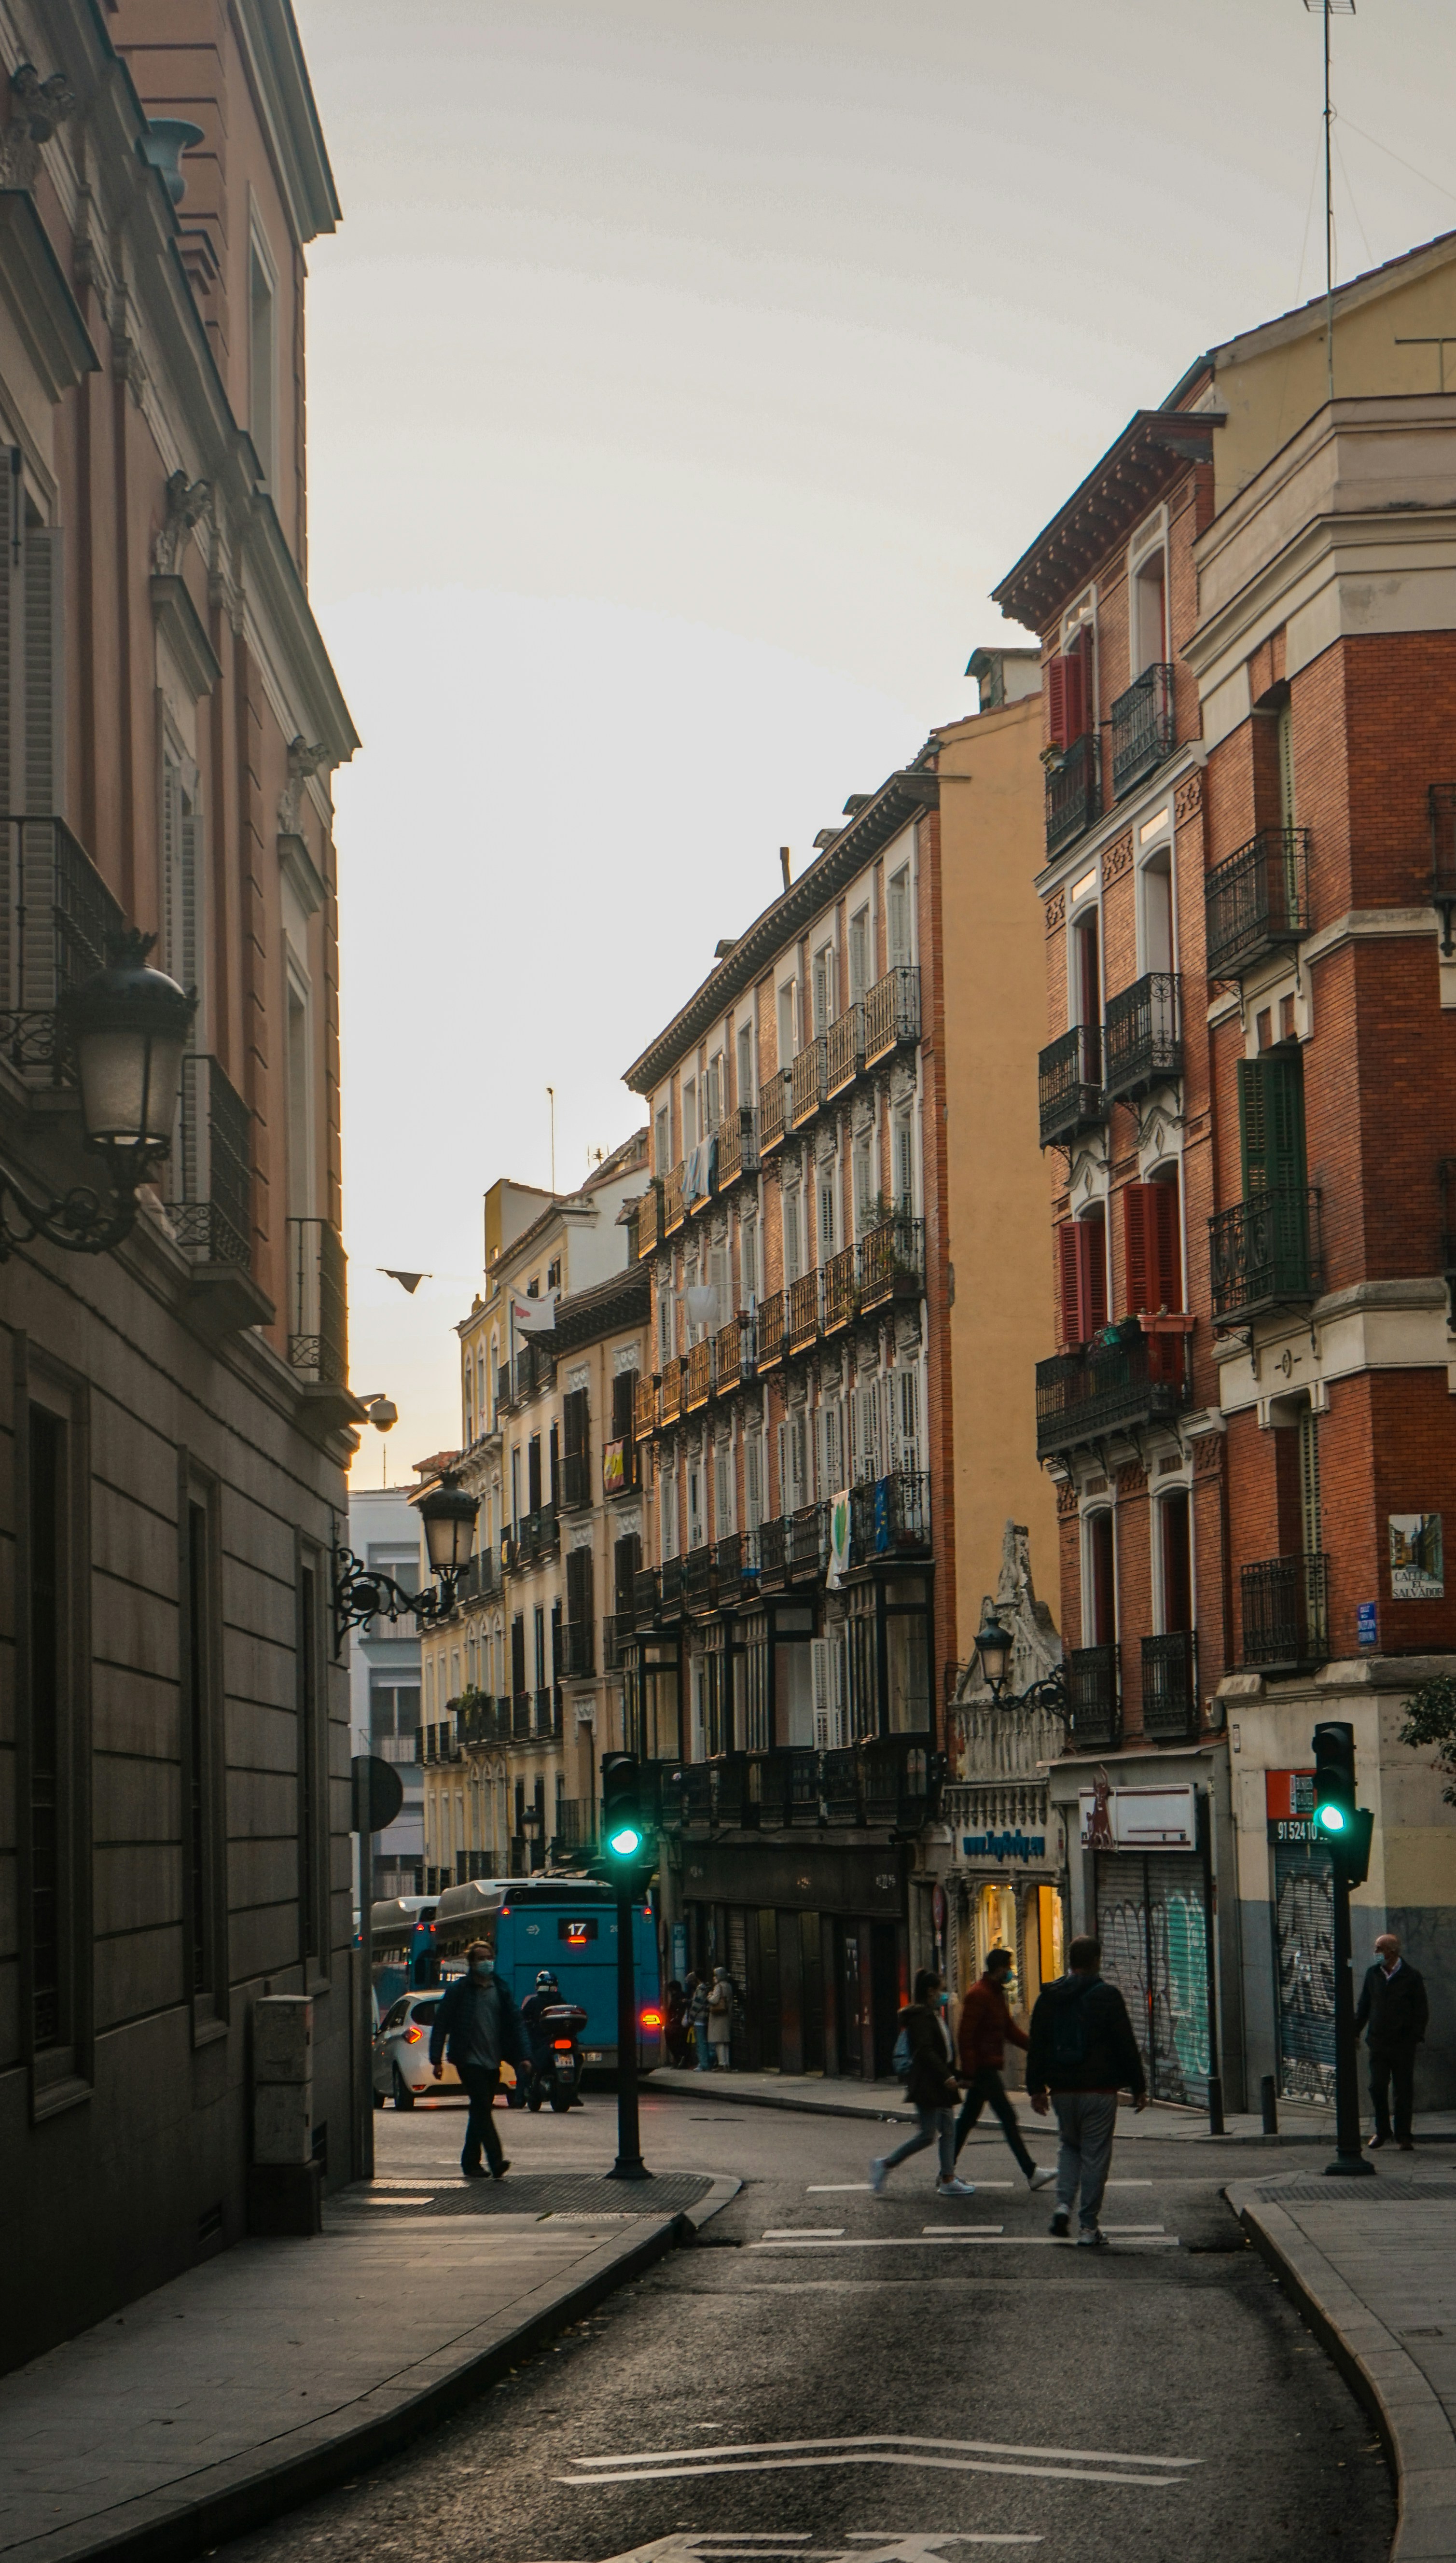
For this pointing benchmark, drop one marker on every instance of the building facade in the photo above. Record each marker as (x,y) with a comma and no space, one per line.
(1249,1421)
(384,1679)
(174,1414)
(523,1685)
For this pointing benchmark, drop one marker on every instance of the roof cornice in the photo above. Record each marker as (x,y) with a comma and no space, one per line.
(269,35)
(898,801)
(1154,445)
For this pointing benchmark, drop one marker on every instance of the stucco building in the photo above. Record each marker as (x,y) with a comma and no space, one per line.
(384,1678)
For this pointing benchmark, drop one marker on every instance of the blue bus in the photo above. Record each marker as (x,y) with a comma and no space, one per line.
(402,1939)
(569,1924)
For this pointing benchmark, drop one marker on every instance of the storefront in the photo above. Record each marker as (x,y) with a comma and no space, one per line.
(820,1955)
(1303,1940)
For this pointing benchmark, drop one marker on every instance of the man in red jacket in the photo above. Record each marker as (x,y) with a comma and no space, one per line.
(985,2025)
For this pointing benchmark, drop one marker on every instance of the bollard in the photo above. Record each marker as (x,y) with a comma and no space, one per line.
(1269,2106)
(1215,2104)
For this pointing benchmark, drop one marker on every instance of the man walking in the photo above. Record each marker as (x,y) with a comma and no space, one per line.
(1083,2053)
(478,2027)
(1393,2012)
(985,2025)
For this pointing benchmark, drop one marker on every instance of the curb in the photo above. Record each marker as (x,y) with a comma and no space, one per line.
(877,2116)
(180,2534)
(1413,2426)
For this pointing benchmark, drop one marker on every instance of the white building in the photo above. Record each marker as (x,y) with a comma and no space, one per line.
(384,1679)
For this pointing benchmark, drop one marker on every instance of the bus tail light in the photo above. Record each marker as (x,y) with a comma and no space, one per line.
(651,2020)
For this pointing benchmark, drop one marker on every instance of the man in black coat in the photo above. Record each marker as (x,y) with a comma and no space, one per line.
(1082,2054)
(478,2027)
(1393,2012)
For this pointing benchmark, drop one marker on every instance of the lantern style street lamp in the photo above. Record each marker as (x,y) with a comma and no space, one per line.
(126,1029)
(995,1646)
(363,1592)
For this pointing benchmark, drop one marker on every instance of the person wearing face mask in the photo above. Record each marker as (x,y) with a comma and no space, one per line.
(478,2028)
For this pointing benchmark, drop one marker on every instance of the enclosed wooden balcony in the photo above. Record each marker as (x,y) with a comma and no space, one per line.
(644,1410)
(670,1394)
(771,1331)
(773,1112)
(672,1213)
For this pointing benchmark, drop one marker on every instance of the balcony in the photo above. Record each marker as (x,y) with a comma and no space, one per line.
(651,1222)
(891,1013)
(738,1567)
(1257,901)
(533,1368)
(670,1394)
(212,1168)
(882,1785)
(1070,1096)
(1074,795)
(575,1481)
(806,1542)
(644,1410)
(478,1579)
(1265,1252)
(575,1832)
(672,1200)
(1170,1687)
(670,1588)
(771,1331)
(890,1516)
(646,1596)
(1109,1388)
(809,1082)
(765,1794)
(773,1112)
(1286,1611)
(520,1717)
(545,1716)
(56,915)
(698,1384)
(846,1047)
(317,1302)
(1144,729)
(801,1312)
(537,1535)
(578,1651)
(772,1553)
(737,1146)
(1142,1035)
(732,1354)
(700,1579)
(841,1289)
(895,1783)
(892,1261)
(1095,1719)
(617,1628)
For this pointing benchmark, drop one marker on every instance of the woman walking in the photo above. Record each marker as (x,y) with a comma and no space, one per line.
(931,2088)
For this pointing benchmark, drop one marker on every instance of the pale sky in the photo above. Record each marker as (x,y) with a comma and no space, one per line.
(684,375)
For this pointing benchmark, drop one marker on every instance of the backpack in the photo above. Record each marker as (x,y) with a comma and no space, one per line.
(1069,2031)
(901,2057)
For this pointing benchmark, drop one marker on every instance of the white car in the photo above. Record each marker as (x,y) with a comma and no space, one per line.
(402,2069)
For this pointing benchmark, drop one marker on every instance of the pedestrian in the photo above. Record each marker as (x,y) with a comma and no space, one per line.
(698,2018)
(478,2027)
(1394,2012)
(929,2086)
(721,2016)
(983,2028)
(675,2025)
(1083,2053)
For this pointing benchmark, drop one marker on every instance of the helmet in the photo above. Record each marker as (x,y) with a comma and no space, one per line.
(544,1979)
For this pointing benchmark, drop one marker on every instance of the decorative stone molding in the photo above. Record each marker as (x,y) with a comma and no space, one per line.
(1116,860)
(1132,1480)
(180,625)
(303,762)
(1066,1500)
(1036,1648)
(189,502)
(578,1376)
(1056,911)
(1188,798)
(38,106)
(626,1357)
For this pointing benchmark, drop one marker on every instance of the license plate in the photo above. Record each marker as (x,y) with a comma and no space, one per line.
(593,2055)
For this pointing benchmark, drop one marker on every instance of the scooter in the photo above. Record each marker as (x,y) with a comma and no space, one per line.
(555,2066)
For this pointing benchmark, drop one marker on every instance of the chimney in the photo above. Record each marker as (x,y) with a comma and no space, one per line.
(783,856)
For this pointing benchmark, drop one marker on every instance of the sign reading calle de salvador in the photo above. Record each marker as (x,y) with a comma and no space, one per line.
(1163,1819)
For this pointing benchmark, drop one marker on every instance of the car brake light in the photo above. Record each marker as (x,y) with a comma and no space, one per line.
(412,2037)
(651,2020)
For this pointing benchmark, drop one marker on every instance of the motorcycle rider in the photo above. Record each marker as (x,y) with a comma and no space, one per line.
(538,2031)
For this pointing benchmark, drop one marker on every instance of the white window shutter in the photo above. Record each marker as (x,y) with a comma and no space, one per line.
(838,1688)
(752,1482)
(44,672)
(819,1658)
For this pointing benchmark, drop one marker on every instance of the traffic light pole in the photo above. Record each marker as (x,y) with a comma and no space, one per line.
(1348,2161)
(629,2164)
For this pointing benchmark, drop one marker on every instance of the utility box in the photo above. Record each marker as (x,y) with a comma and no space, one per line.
(285,2183)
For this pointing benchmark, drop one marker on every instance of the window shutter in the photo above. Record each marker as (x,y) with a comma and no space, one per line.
(1138,1248)
(624,1389)
(1284,1116)
(1069,1276)
(1309,1520)
(819,1660)
(1056,729)
(1091,1257)
(752,1482)
(905,1169)
(839,1687)
(1253,1142)
(626,1559)
(575,1419)
(555,1457)
(1067,695)
(909,1456)
(517,1655)
(43,675)
(722,1493)
(578,1585)
(1167,1241)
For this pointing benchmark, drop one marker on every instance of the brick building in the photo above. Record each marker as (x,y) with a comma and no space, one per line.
(1247,614)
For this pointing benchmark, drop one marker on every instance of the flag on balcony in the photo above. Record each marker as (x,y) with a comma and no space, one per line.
(701,1301)
(840,1518)
(533,1317)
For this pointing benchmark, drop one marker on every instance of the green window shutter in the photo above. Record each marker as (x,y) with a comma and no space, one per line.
(1284,1118)
(1253,1149)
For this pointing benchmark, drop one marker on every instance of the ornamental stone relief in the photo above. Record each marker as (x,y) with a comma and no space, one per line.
(1056,911)
(1116,860)
(1189,799)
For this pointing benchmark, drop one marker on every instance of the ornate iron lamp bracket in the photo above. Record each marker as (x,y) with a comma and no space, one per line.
(363,1592)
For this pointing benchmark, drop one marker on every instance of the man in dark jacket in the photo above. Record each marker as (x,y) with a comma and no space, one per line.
(929,2086)
(1393,2012)
(478,2027)
(1083,2054)
(981,2032)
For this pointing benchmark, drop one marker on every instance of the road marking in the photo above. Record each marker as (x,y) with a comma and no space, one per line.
(835,2188)
(953,2455)
(866,2545)
(800,2233)
(1134,2228)
(1129,2183)
(887,2439)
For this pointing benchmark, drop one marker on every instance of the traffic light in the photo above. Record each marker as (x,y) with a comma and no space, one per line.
(1337,1819)
(624,1834)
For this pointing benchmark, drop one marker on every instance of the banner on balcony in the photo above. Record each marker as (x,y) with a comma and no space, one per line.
(1417,1566)
(840,1523)
(533,1317)
(1165,1819)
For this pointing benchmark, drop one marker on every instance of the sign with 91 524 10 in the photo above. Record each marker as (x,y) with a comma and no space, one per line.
(1289,1806)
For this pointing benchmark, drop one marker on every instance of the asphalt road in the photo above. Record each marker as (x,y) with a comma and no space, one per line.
(823,2376)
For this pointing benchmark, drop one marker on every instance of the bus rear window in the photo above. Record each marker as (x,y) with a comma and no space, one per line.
(576,1935)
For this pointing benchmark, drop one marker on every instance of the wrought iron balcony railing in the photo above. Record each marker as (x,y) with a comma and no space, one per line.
(884,1783)
(809,1082)
(1095,1713)
(317,1302)
(846,1047)
(1074,794)
(737,1566)
(670,1585)
(1109,1388)
(889,1515)
(768,1330)
(56,915)
(891,1013)
(537,1534)
(1069,1094)
(1257,901)
(733,1353)
(1143,728)
(892,1261)
(1143,1035)
(801,1311)
(772,1552)
(773,1112)
(670,1392)
(673,1199)
(646,1596)
(700,1579)
(841,1289)
(697,1382)
(737,1146)
(575,1827)
(651,1220)
(1286,1611)
(1265,1252)
(575,1481)
(520,1717)
(617,1627)
(212,1167)
(1171,1686)
(579,1650)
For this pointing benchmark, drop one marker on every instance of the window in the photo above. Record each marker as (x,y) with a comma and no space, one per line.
(182,881)
(694,1504)
(690,1114)
(753,1479)
(262,356)
(515,1484)
(1081,1277)
(712,1094)
(793,1248)
(787,1022)
(575,1470)
(749,1260)
(897,919)
(1084,992)
(580,1604)
(1311,1525)
(200,1668)
(313,1821)
(533,1474)
(1272,1121)
(903,1164)
(663,1328)
(553,1453)
(723,1491)
(864,1183)
(906,1387)
(831,1448)
(297,1048)
(1176,1561)
(1098,1583)
(746,1063)
(662,1150)
(827,1186)
(1153,1246)
(553,1273)
(1158,911)
(823,988)
(540,1658)
(667,1513)
(860,954)
(1147,582)
(518,1656)
(32,757)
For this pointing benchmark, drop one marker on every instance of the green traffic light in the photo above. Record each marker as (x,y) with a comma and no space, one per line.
(1329,1818)
(624,1842)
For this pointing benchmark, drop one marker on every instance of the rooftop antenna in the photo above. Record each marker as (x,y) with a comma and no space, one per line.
(551,1099)
(1329,9)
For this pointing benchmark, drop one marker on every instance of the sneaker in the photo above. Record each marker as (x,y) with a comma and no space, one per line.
(472,2171)
(1039,2178)
(878,2174)
(1093,2238)
(1061,2224)
(1373,2144)
(956,2188)
(500,2169)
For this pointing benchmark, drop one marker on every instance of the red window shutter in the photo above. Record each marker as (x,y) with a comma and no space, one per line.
(1092,1237)
(1167,1245)
(1056,729)
(1140,1248)
(1069,1277)
(1078,671)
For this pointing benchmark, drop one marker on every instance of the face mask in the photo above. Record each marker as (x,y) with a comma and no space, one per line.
(483,1967)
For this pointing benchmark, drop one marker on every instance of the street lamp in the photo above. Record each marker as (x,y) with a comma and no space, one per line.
(449,1516)
(995,1646)
(363,1592)
(128,1028)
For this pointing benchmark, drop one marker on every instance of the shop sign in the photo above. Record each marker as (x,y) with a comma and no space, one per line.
(1017,1846)
(1289,1806)
(1417,1567)
(1153,1818)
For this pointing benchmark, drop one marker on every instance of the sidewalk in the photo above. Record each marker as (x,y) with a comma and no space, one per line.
(1371,2265)
(844,2099)
(259,2379)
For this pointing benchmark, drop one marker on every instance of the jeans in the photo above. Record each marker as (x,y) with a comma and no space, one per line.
(937,2126)
(481,2081)
(1397,2067)
(705,2059)
(988,2091)
(1086,2120)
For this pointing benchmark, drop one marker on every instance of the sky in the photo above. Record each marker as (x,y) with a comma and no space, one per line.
(682,378)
